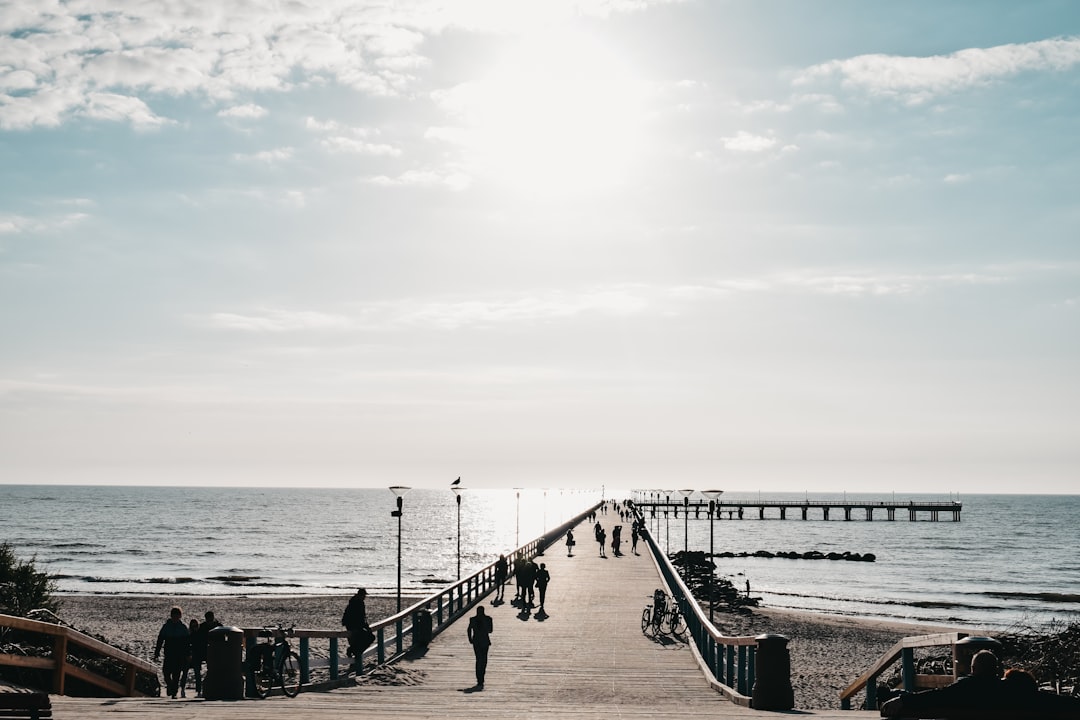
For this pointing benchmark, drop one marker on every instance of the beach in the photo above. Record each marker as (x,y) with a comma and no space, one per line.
(827,652)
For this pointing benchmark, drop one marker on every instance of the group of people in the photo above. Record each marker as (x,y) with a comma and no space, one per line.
(185,650)
(530,580)
(986,688)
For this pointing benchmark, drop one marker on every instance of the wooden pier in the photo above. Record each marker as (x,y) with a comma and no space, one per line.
(586,659)
(808,509)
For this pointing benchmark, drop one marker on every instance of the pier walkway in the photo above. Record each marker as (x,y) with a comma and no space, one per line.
(586,659)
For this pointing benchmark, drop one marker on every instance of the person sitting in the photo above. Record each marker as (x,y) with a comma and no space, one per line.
(982,689)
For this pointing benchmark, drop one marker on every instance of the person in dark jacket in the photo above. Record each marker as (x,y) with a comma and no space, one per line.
(176,640)
(479,632)
(543,577)
(360,635)
(199,642)
(501,571)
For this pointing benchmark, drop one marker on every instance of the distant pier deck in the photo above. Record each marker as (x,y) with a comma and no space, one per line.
(809,509)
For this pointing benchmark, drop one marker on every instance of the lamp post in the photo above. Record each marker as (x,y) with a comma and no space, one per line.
(712,495)
(517,524)
(457,493)
(399,491)
(667,522)
(686,518)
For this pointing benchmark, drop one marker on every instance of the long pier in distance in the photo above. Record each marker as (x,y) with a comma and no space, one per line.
(932,510)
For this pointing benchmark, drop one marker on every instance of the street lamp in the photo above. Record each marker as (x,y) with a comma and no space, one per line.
(399,491)
(712,495)
(517,525)
(457,492)
(667,522)
(686,518)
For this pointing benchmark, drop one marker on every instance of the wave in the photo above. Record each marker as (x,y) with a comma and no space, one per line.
(1044,596)
(923,604)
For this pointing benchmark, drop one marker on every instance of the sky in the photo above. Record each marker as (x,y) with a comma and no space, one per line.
(773,245)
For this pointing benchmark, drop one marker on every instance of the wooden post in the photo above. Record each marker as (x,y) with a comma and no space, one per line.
(129,680)
(59,663)
(305,659)
(333,658)
(907,670)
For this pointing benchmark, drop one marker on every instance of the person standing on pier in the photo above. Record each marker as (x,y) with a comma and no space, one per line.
(601,537)
(479,632)
(176,640)
(543,577)
(360,635)
(569,543)
(500,578)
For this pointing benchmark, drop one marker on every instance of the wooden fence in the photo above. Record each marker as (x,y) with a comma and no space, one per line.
(57,662)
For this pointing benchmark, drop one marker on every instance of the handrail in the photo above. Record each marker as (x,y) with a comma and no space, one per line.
(398,634)
(61,669)
(903,649)
(728,661)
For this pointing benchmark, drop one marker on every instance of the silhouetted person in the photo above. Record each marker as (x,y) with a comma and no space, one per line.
(193,630)
(480,629)
(199,643)
(360,635)
(601,537)
(543,577)
(982,689)
(528,584)
(616,540)
(569,543)
(501,570)
(634,535)
(176,640)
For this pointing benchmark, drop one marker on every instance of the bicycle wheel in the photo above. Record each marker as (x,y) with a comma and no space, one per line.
(263,674)
(677,623)
(289,673)
(646,621)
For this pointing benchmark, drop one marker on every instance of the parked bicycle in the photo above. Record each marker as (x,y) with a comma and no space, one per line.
(663,617)
(274,662)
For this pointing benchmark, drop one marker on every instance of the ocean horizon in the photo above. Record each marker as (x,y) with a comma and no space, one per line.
(1009,562)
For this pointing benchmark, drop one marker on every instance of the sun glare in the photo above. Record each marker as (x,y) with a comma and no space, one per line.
(559,113)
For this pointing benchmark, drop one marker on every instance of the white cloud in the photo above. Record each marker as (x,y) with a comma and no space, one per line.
(278,321)
(266,156)
(55,55)
(748,143)
(109,106)
(956,178)
(341,143)
(918,79)
(424,178)
(248,111)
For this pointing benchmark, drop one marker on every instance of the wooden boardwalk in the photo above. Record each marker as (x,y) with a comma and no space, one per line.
(586,659)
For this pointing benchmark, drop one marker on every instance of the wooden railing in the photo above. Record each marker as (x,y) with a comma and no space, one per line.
(398,634)
(904,650)
(57,664)
(727,660)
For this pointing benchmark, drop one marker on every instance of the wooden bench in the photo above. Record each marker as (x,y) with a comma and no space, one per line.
(25,705)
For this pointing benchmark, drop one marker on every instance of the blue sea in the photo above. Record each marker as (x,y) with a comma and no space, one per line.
(1011,561)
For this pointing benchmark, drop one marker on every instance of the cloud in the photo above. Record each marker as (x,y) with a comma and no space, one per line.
(248,111)
(748,143)
(56,56)
(278,321)
(266,156)
(424,178)
(919,79)
(956,178)
(341,143)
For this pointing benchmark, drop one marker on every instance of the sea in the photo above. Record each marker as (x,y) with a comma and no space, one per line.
(1011,562)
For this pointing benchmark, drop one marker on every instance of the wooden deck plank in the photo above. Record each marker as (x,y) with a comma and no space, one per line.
(586,659)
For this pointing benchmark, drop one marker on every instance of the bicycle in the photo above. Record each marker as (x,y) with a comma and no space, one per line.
(652,617)
(275,663)
(675,622)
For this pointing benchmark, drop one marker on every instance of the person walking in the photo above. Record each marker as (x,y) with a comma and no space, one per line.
(543,577)
(360,635)
(601,537)
(634,537)
(528,593)
(199,642)
(500,578)
(479,632)
(569,543)
(193,630)
(176,640)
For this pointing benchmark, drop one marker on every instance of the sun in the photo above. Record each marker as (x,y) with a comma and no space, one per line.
(561,112)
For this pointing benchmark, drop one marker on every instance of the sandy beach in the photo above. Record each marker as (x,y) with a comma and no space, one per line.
(827,652)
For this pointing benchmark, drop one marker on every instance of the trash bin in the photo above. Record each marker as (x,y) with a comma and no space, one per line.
(421,630)
(224,664)
(772,674)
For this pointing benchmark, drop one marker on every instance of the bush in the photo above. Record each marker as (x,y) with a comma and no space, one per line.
(22,586)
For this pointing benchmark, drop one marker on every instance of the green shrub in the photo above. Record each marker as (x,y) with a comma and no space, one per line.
(22,586)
